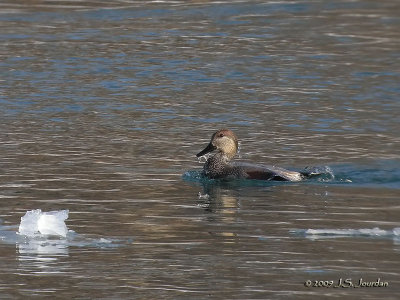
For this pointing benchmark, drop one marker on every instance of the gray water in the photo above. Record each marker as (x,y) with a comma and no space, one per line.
(103,106)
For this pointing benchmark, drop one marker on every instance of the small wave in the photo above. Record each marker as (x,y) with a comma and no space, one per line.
(16,185)
(378,173)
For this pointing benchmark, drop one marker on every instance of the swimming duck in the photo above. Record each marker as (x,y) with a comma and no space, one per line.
(220,165)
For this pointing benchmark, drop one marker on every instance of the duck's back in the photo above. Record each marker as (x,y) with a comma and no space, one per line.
(263,172)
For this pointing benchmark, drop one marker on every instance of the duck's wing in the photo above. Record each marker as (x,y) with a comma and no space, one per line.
(263,172)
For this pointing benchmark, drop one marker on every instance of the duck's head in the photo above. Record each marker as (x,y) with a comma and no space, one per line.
(224,141)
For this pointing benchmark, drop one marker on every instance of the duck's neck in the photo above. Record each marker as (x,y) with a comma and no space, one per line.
(215,166)
(220,156)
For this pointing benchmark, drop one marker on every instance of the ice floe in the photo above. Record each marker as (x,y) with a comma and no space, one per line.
(336,233)
(36,222)
(45,233)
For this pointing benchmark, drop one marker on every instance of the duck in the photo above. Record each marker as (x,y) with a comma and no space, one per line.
(224,146)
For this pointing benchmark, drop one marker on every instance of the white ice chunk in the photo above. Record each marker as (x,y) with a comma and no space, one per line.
(52,223)
(48,223)
(29,222)
(375,232)
(351,232)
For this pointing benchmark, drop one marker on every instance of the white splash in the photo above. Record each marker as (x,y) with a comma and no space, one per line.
(202,159)
(203,196)
(36,222)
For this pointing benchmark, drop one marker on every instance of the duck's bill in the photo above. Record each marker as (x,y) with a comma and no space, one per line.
(206,150)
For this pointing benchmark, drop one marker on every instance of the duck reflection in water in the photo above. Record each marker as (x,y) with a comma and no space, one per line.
(217,198)
(224,144)
(222,206)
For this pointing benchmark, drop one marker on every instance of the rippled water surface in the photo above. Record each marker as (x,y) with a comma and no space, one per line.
(103,106)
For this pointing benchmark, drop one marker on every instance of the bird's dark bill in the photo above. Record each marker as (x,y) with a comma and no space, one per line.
(206,150)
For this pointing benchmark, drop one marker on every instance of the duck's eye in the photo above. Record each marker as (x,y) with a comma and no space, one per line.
(221,135)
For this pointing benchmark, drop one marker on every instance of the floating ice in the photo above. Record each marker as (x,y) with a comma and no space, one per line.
(366,232)
(48,223)
(45,234)
(343,232)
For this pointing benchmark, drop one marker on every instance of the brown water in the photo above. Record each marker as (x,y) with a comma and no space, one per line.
(105,104)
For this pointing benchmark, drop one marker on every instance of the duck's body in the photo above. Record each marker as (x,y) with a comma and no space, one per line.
(220,166)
